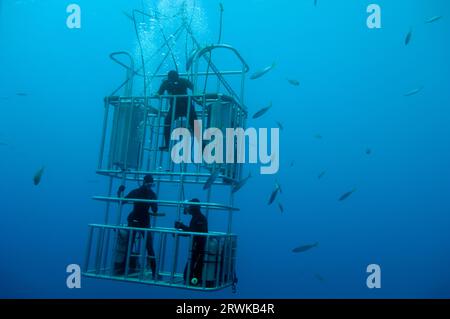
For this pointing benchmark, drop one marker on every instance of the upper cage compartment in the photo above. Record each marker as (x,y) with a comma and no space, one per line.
(133,130)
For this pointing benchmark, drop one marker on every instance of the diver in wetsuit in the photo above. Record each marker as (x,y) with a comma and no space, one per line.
(140,217)
(198,224)
(174,85)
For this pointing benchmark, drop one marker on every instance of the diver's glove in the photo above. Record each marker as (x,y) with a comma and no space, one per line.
(120,191)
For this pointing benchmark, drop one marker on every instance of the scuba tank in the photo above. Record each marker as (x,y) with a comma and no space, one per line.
(211,262)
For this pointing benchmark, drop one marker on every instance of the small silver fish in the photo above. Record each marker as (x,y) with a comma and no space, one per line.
(211,180)
(274,194)
(280,126)
(280,206)
(347,195)
(38,176)
(434,19)
(294,82)
(262,72)
(262,111)
(408,37)
(413,92)
(321,175)
(304,248)
(318,136)
(241,184)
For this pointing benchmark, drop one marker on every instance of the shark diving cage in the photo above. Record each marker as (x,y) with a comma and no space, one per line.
(132,136)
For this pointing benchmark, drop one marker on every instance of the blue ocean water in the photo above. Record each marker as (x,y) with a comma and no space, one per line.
(351,94)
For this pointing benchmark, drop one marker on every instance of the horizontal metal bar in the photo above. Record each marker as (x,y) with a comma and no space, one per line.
(195,97)
(202,74)
(177,181)
(120,174)
(164,203)
(169,96)
(162,230)
(155,173)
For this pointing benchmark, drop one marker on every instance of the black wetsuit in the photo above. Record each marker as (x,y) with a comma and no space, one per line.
(140,218)
(179,87)
(198,224)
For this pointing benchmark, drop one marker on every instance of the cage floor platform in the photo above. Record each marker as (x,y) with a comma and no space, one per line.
(164,280)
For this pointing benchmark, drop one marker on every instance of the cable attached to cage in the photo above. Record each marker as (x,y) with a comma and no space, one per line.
(168,45)
(188,28)
(221,22)
(210,53)
(141,49)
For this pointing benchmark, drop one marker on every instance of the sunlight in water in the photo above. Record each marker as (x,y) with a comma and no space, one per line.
(168,16)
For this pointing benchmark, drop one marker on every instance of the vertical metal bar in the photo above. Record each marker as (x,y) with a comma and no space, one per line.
(174,109)
(142,255)
(204,120)
(152,152)
(240,122)
(105,127)
(175,258)
(190,113)
(127,259)
(230,213)
(163,256)
(161,237)
(208,197)
(189,260)
(128,134)
(198,166)
(180,196)
(88,249)
(218,261)
(99,251)
(115,141)
(232,168)
(159,161)
(108,204)
(161,120)
(234,256)
(205,253)
(197,76)
(114,253)
(144,135)
(225,251)
(230,259)
(158,189)
(151,127)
